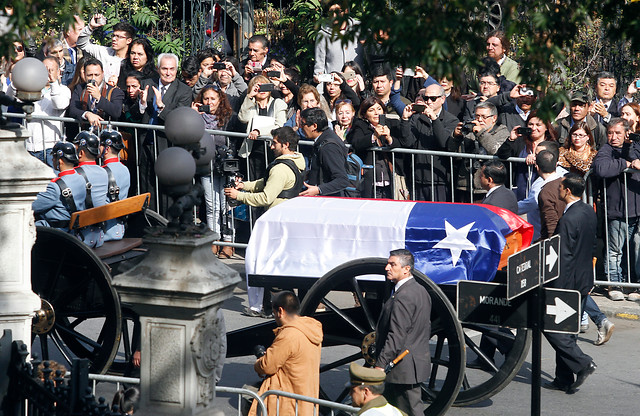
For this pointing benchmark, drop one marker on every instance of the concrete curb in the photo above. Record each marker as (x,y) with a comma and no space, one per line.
(623,309)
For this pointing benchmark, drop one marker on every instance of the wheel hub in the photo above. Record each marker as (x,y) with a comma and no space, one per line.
(44,318)
(369,348)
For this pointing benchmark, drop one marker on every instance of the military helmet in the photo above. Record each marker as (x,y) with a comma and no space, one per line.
(111,138)
(65,150)
(86,140)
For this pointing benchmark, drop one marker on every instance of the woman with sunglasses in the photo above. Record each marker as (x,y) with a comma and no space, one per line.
(371,129)
(216,112)
(578,151)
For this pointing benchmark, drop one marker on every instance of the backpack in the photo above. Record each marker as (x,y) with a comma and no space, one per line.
(355,171)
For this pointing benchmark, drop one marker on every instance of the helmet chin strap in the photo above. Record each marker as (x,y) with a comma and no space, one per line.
(56,163)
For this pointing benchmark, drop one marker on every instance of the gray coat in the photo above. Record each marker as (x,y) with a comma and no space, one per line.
(331,55)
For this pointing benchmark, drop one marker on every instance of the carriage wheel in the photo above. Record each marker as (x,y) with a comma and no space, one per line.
(350,319)
(84,307)
(481,384)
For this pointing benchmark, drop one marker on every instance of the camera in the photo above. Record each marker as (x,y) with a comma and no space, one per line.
(350,76)
(266,87)
(526,91)
(273,74)
(634,137)
(382,120)
(219,65)
(524,131)
(467,127)
(325,78)
(418,108)
(259,351)
(205,109)
(256,66)
(91,82)
(226,164)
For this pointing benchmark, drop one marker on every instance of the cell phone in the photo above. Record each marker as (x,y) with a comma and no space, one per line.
(273,74)
(91,82)
(256,66)
(350,76)
(205,108)
(382,120)
(638,83)
(325,78)
(219,65)
(266,87)
(418,108)
(526,91)
(408,72)
(524,131)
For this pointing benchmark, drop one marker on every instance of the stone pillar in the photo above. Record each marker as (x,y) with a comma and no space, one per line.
(177,291)
(21,178)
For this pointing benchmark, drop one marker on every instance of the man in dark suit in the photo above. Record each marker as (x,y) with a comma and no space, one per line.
(95,100)
(606,106)
(492,175)
(405,323)
(577,231)
(428,130)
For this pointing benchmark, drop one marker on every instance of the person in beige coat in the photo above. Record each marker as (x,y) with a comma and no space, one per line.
(292,362)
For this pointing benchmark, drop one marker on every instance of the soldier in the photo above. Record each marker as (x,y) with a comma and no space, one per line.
(65,194)
(366,388)
(119,178)
(87,145)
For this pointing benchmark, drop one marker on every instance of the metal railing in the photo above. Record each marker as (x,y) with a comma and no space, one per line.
(299,398)
(456,193)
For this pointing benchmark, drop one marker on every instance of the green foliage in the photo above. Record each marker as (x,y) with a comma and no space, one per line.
(167,45)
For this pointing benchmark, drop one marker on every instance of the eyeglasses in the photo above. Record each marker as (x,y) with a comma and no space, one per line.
(579,135)
(119,36)
(430,98)
(487,83)
(483,117)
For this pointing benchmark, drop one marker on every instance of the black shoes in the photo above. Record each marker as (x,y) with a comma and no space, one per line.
(582,376)
(554,385)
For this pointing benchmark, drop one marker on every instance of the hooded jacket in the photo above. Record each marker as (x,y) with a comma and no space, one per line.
(292,364)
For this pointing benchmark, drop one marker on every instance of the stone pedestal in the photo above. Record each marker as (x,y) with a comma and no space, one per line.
(21,178)
(177,291)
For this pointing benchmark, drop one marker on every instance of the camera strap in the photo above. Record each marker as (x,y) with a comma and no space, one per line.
(297,186)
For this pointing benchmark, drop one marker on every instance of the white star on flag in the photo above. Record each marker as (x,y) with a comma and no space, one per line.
(456,240)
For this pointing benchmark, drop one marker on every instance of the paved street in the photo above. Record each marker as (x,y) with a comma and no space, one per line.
(611,390)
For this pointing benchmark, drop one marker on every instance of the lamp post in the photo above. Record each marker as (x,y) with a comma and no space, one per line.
(179,286)
(21,178)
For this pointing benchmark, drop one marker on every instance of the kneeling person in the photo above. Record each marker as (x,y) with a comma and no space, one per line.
(118,176)
(65,194)
(283,179)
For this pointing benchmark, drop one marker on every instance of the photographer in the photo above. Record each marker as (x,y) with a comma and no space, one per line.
(283,179)
(216,112)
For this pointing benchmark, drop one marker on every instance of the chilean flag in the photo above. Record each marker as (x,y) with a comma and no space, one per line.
(309,236)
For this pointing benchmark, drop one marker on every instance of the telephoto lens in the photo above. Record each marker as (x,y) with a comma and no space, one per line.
(259,351)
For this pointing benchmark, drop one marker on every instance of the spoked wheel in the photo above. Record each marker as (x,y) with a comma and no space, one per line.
(481,383)
(129,343)
(352,295)
(84,307)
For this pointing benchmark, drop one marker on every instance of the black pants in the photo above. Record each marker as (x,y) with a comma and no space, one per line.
(406,397)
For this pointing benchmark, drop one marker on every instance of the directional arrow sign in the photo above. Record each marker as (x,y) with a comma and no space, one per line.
(523,271)
(562,309)
(551,259)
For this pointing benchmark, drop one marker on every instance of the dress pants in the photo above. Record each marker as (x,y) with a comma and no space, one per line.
(406,397)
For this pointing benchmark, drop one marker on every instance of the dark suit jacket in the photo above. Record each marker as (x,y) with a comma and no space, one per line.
(577,231)
(405,323)
(551,207)
(178,94)
(510,118)
(110,109)
(503,198)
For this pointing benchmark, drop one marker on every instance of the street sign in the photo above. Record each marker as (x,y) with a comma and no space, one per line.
(486,303)
(551,263)
(523,271)
(561,311)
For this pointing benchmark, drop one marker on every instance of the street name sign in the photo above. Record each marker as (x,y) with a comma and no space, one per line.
(561,312)
(523,271)
(551,256)
(486,303)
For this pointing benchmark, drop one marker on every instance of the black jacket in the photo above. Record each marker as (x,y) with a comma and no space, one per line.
(420,132)
(328,164)
(108,107)
(608,165)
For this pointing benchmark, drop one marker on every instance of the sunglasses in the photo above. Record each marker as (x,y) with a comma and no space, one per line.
(429,98)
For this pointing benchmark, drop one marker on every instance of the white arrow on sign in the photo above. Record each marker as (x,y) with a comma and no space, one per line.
(551,258)
(561,310)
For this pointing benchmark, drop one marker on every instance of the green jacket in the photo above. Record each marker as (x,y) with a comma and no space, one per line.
(510,70)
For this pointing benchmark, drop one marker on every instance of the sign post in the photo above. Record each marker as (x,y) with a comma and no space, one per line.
(523,271)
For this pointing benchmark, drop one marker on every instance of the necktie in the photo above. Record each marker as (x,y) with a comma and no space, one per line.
(163,89)
(72,56)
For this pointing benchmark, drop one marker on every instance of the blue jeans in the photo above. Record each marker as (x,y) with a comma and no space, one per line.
(618,233)
(216,205)
(594,312)
(44,156)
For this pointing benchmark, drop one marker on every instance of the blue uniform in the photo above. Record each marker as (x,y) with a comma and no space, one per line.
(93,235)
(115,228)
(49,209)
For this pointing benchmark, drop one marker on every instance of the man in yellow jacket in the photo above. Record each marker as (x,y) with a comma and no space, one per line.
(292,362)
